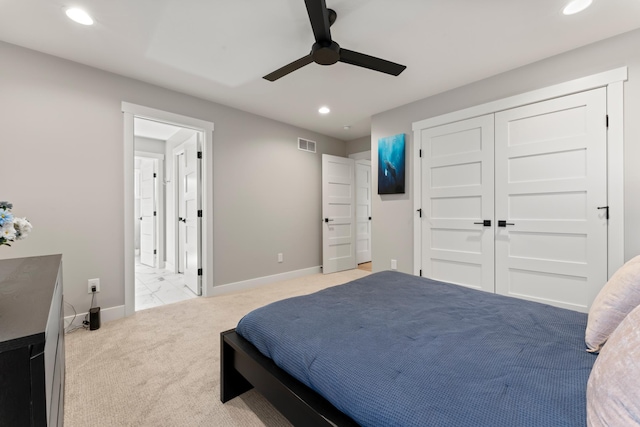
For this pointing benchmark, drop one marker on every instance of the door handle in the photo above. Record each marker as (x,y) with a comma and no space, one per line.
(504,223)
(606,208)
(486,223)
(182,219)
(327,220)
(369,218)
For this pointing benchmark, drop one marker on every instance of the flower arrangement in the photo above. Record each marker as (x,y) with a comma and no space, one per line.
(12,228)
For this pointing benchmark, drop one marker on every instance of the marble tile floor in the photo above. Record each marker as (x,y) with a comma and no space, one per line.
(156,287)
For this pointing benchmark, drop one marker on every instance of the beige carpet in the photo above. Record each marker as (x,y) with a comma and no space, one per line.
(161,367)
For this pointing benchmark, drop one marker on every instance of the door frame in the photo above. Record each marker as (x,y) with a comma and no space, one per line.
(160,229)
(130,111)
(613,81)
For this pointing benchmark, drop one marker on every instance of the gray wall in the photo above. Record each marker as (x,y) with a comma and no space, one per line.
(393,223)
(359,145)
(62,167)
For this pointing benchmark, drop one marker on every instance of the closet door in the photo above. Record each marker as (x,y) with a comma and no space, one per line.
(457,197)
(551,180)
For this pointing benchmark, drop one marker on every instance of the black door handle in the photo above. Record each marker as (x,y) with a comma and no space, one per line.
(606,211)
(182,219)
(369,218)
(327,220)
(486,223)
(503,223)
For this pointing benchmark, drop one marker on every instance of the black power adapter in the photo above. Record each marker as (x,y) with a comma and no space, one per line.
(94,318)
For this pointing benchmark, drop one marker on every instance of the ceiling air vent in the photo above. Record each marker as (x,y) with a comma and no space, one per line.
(306,145)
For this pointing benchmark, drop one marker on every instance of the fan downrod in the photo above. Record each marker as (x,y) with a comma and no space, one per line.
(326,52)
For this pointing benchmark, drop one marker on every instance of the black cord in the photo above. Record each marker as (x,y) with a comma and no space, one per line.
(85,322)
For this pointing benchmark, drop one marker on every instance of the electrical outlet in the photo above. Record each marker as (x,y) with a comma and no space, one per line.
(280,257)
(394,264)
(91,284)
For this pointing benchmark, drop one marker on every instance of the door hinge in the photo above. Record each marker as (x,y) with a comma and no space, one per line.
(420,212)
(154,175)
(154,213)
(199,213)
(420,151)
(607,121)
(199,272)
(420,273)
(199,154)
(155,252)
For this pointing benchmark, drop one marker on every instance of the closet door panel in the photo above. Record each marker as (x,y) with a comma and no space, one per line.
(457,196)
(550,171)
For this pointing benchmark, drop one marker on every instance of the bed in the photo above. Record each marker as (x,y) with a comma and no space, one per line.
(392,349)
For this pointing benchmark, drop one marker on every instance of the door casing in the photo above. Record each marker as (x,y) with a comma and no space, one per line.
(129,112)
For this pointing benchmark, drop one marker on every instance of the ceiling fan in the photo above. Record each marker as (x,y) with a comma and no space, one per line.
(327,52)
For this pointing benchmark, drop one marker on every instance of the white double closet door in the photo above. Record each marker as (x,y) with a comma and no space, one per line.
(513,202)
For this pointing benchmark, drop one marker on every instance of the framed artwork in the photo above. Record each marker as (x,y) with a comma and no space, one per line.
(391,164)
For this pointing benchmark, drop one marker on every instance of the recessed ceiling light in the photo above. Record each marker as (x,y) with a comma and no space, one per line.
(576,6)
(324,110)
(347,127)
(79,16)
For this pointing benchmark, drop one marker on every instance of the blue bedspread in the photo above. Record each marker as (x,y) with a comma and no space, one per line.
(392,349)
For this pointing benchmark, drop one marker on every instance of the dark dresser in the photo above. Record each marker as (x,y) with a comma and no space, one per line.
(31,342)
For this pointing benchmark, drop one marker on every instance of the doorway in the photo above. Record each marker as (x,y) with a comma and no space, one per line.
(346,212)
(153,274)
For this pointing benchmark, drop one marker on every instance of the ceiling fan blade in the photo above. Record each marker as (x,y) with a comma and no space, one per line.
(319,17)
(371,62)
(289,68)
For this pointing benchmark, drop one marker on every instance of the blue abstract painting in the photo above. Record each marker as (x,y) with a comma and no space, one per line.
(391,164)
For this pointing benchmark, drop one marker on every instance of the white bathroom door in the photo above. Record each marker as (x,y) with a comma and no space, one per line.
(551,195)
(190,213)
(363,211)
(338,214)
(148,212)
(457,203)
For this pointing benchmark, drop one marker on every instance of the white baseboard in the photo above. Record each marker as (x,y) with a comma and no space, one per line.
(113,313)
(106,315)
(261,281)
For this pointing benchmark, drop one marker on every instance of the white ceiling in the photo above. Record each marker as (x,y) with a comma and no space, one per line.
(220,49)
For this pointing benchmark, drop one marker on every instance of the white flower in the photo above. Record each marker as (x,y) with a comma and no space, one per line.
(11,227)
(23,228)
(8,231)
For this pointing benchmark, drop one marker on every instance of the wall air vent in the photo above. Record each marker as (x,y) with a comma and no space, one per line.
(306,145)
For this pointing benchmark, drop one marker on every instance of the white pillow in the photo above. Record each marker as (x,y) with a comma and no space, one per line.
(613,389)
(616,299)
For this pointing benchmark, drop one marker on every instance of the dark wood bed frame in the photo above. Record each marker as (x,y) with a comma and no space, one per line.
(243,367)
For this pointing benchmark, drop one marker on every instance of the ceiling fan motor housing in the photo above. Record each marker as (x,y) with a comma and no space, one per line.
(325,52)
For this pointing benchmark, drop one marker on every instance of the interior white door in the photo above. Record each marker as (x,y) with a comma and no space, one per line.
(190,213)
(551,182)
(457,198)
(148,212)
(363,211)
(338,214)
